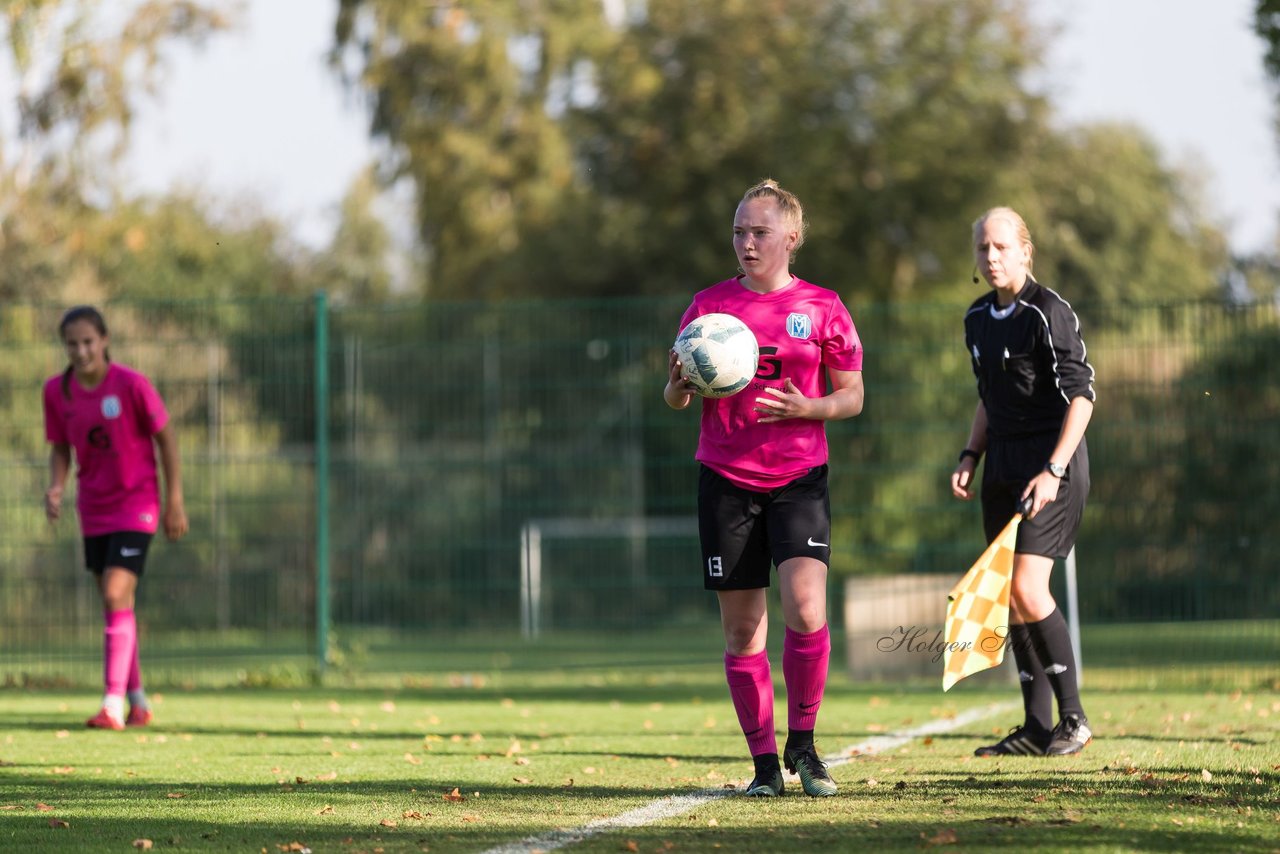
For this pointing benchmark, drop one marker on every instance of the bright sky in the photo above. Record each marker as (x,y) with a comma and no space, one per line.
(258,113)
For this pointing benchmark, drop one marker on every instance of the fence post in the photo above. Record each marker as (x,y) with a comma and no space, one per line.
(322,479)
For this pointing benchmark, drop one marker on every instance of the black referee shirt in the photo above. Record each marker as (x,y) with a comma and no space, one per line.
(1029,359)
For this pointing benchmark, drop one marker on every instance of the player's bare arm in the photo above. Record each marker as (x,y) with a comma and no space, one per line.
(679,391)
(59,467)
(844,401)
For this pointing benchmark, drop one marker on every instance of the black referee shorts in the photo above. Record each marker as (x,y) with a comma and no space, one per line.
(1009,467)
(744,532)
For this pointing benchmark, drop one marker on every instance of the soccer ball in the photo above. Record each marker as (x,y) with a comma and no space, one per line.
(718,354)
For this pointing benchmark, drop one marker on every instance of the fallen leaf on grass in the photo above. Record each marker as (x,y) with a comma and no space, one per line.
(411,814)
(44,808)
(631,845)
(62,733)
(142,844)
(57,823)
(455,796)
(331,775)
(64,769)
(176,795)
(517,779)
(388,822)
(325,810)
(388,707)
(411,759)
(470,817)
(1206,775)
(946,836)
(295,846)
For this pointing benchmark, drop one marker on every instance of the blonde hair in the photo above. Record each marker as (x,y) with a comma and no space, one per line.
(1020,229)
(790,207)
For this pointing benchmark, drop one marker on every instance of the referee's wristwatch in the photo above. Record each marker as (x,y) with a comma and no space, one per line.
(1056,470)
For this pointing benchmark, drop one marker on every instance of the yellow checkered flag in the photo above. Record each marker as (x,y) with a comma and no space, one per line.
(978,610)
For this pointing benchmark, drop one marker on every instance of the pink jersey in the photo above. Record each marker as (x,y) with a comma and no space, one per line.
(111,430)
(800,329)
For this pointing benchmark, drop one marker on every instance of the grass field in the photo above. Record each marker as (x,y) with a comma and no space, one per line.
(582,748)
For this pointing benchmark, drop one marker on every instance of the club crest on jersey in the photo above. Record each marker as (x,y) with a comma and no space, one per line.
(111,406)
(799,326)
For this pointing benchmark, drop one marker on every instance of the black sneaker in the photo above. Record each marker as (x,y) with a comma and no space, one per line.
(767,784)
(1021,741)
(804,762)
(1071,735)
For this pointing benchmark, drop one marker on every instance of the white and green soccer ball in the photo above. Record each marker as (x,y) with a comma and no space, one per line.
(718,354)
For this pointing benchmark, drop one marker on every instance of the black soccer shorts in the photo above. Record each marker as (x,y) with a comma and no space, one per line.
(125,549)
(744,533)
(1009,467)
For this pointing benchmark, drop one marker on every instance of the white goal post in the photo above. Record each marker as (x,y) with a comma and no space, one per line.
(636,529)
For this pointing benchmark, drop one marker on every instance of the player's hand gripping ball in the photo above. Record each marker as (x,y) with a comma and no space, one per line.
(718,354)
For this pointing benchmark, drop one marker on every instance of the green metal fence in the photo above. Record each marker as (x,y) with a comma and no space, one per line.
(422,474)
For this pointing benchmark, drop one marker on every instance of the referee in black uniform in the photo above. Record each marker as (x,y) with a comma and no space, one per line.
(1035,390)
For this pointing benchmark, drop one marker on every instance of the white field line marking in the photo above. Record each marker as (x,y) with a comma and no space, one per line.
(678,804)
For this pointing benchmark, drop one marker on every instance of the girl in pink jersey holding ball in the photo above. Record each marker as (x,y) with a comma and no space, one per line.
(111,416)
(762,494)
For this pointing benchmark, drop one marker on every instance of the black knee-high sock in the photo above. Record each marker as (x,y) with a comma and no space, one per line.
(1052,643)
(1037,695)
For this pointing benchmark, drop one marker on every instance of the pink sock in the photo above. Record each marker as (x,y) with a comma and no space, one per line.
(134,682)
(804,668)
(751,687)
(120,638)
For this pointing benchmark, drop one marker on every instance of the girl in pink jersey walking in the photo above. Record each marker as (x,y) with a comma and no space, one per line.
(111,416)
(762,493)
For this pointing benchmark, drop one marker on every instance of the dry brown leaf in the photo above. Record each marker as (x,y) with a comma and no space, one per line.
(455,796)
(176,795)
(62,733)
(330,775)
(1038,799)
(11,807)
(631,845)
(1206,775)
(411,759)
(471,817)
(142,844)
(301,781)
(388,822)
(411,814)
(64,769)
(388,707)
(522,779)
(44,808)
(946,836)
(57,823)
(520,760)
(325,810)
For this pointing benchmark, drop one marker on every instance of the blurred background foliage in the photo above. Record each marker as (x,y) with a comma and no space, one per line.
(594,150)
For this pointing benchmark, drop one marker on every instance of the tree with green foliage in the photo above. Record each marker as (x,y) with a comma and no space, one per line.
(587,148)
